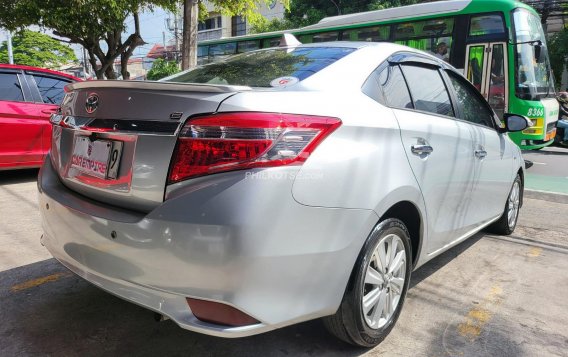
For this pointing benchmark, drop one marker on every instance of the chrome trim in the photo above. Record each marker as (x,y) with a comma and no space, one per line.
(480,154)
(421,149)
(115,125)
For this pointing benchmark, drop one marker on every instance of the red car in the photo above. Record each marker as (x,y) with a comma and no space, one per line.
(28,97)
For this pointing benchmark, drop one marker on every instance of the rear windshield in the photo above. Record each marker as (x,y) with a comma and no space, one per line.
(266,68)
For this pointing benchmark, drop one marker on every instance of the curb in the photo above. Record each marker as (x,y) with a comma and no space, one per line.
(546,196)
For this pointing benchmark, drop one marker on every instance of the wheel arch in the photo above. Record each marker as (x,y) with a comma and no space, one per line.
(521,174)
(410,215)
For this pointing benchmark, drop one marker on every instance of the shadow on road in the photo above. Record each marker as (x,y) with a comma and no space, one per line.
(68,316)
(18,176)
(440,261)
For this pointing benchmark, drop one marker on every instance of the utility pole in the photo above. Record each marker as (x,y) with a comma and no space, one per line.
(10,52)
(85,64)
(189,43)
(176,37)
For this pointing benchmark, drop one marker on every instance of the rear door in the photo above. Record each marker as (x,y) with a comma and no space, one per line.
(21,127)
(493,158)
(47,91)
(439,148)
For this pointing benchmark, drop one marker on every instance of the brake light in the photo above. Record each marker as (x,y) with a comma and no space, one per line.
(235,141)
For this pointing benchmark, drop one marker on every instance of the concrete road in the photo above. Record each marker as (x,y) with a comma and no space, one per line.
(489,296)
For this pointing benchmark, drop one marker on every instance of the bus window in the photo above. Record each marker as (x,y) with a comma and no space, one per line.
(326,36)
(306,38)
(533,77)
(216,52)
(486,25)
(439,47)
(270,42)
(202,54)
(476,57)
(246,46)
(429,28)
(496,92)
(433,36)
(371,34)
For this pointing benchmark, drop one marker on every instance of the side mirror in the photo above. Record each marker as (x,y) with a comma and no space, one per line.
(514,122)
(538,53)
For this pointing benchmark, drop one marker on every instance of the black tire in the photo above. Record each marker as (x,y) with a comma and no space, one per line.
(503,226)
(349,322)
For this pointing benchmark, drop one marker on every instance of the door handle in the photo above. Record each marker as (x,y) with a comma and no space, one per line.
(421,149)
(480,154)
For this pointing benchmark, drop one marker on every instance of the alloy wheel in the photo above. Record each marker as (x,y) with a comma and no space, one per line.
(384,281)
(514,202)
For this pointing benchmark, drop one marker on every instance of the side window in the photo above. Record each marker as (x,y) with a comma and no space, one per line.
(394,87)
(473,108)
(428,90)
(486,25)
(10,88)
(50,88)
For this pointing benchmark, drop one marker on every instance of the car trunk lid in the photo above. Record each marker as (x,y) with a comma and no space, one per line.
(113,140)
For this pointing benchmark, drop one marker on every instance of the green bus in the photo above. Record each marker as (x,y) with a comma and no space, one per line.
(498,44)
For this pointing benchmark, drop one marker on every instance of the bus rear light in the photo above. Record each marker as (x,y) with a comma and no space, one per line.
(235,141)
(220,314)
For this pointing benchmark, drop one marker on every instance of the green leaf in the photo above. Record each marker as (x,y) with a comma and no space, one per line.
(37,49)
(161,69)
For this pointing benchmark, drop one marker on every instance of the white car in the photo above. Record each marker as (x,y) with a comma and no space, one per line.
(277,186)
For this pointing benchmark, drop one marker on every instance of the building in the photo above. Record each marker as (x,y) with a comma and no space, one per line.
(219,26)
(137,67)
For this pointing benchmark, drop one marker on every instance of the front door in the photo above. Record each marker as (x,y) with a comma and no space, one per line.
(486,68)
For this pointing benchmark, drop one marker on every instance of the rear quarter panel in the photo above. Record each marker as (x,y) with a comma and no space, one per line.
(362,165)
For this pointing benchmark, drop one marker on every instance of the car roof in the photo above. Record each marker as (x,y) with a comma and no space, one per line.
(38,69)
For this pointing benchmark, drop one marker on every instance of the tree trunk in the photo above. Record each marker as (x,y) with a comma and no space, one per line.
(189,43)
(115,48)
(109,73)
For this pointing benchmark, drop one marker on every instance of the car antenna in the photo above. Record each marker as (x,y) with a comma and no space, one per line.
(289,40)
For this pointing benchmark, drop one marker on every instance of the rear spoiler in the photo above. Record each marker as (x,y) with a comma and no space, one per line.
(149,85)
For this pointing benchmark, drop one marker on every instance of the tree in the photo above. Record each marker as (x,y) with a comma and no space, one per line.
(161,68)
(246,8)
(272,25)
(97,25)
(558,48)
(308,12)
(37,49)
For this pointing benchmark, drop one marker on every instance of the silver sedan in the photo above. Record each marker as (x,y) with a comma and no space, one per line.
(277,186)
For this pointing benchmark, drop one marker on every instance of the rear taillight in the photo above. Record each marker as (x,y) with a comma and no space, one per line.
(235,141)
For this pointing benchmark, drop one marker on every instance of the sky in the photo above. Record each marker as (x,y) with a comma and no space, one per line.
(152,24)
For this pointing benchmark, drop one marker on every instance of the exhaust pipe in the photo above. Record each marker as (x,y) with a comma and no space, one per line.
(159,317)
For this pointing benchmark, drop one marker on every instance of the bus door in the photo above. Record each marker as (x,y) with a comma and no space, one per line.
(486,68)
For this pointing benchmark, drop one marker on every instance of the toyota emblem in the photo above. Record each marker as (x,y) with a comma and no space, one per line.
(92,103)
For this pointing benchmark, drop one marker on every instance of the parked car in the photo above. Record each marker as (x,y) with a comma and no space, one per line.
(277,186)
(28,97)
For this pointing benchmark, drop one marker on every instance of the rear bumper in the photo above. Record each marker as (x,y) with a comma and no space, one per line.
(237,241)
